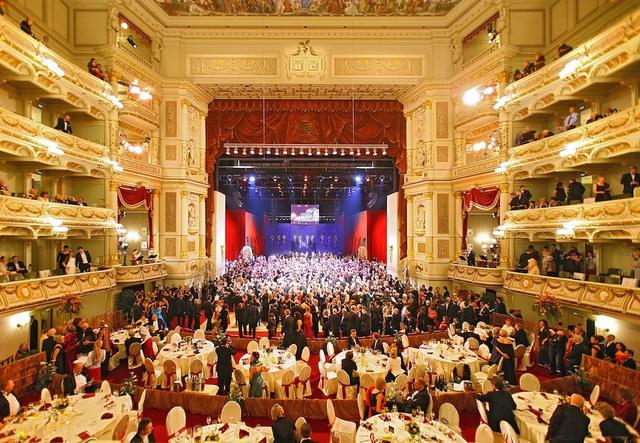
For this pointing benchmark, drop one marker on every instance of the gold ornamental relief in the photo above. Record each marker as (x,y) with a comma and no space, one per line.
(233,65)
(24,292)
(379,66)
(603,295)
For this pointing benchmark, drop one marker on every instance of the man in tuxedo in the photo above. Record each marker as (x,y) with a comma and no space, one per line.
(453,310)
(61,258)
(26,25)
(86,337)
(469,314)
(471,257)
(9,404)
(569,424)
(610,347)
(352,319)
(49,343)
(364,321)
(83,259)
(630,181)
(288,328)
(334,323)
(17,266)
(377,343)
(629,362)
(224,366)
(77,381)
(145,432)
(501,406)
(283,428)
(64,124)
(305,433)
(349,366)
(420,398)
(521,335)
(208,309)
(353,340)
(252,317)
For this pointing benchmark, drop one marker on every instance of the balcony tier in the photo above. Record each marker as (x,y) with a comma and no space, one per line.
(472,274)
(140,273)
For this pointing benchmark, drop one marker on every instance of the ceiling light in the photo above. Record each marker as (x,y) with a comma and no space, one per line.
(59,230)
(114,101)
(472,97)
(488,90)
(145,96)
(571,67)
(477,147)
(124,25)
(53,67)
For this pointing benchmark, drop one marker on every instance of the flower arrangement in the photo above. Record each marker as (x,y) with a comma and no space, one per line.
(220,339)
(214,436)
(547,306)
(129,385)
(70,304)
(44,375)
(331,339)
(236,394)
(413,429)
(61,404)
(393,395)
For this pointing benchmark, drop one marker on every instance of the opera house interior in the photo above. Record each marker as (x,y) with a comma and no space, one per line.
(314,221)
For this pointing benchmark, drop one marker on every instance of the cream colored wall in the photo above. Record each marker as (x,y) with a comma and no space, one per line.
(133,222)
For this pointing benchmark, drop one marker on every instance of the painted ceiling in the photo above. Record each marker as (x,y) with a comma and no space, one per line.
(308,7)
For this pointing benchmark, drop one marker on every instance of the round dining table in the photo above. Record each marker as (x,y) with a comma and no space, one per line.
(183,354)
(366,361)
(392,428)
(86,416)
(119,337)
(222,433)
(277,362)
(444,357)
(534,410)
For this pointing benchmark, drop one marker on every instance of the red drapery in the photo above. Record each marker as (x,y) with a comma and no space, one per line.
(133,198)
(484,199)
(306,121)
(235,230)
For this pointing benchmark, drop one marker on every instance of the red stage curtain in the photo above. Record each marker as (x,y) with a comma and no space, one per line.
(254,234)
(484,199)
(305,122)
(234,232)
(132,198)
(377,235)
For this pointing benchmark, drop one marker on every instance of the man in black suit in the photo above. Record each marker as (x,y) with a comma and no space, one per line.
(9,404)
(334,323)
(580,347)
(77,381)
(26,25)
(501,407)
(283,428)
(629,362)
(453,310)
(419,398)
(469,314)
(520,336)
(630,181)
(349,366)
(364,320)
(288,328)
(224,366)
(396,319)
(64,124)
(305,433)
(377,343)
(252,318)
(83,260)
(352,319)
(86,338)
(610,347)
(353,340)
(344,325)
(241,318)
(145,432)
(569,424)
(17,266)
(575,191)
(208,308)
(471,257)
(49,343)
(190,311)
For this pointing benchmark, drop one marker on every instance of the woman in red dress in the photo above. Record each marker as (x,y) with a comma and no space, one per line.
(70,347)
(307,323)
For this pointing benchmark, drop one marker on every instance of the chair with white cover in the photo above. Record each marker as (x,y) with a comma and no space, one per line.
(411,376)
(509,434)
(328,380)
(172,374)
(385,347)
(231,412)
(298,425)
(486,387)
(483,352)
(176,420)
(345,390)
(484,418)
(451,330)
(306,354)
(529,382)
(285,387)
(203,326)
(472,343)
(331,352)
(169,336)
(487,373)
(264,343)
(293,349)
(405,341)
(595,395)
(199,335)
(401,382)
(328,366)
(252,346)
(366,381)
(120,430)
(458,340)
(136,357)
(152,374)
(519,353)
(196,367)
(345,429)
(105,388)
(303,385)
(212,360)
(45,396)
(239,379)
(527,361)
(175,338)
(484,434)
(448,415)
(361,405)
(429,406)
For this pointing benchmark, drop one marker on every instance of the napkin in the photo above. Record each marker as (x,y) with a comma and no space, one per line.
(107,416)
(243,433)
(45,407)
(84,435)
(57,440)
(406,417)
(224,427)
(538,415)
(89,395)
(544,395)
(264,440)
(385,417)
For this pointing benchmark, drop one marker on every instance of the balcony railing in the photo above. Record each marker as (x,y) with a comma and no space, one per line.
(23,56)
(478,275)
(23,137)
(613,219)
(35,218)
(585,294)
(24,293)
(603,55)
(140,273)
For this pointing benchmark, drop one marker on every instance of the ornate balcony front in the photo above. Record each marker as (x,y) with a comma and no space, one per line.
(34,218)
(477,275)
(26,61)
(140,273)
(603,297)
(24,140)
(41,291)
(613,219)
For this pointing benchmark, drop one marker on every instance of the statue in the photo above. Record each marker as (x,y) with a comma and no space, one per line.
(421,218)
(191,215)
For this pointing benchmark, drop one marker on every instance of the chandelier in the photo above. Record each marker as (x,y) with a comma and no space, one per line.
(318,150)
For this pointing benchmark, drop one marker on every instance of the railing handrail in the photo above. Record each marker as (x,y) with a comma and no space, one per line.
(54,277)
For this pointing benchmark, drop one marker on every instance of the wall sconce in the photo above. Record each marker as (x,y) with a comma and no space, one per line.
(20,320)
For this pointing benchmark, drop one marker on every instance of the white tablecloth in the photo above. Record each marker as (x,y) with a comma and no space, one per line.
(232,434)
(184,356)
(535,432)
(82,415)
(277,362)
(373,364)
(431,431)
(444,357)
(118,338)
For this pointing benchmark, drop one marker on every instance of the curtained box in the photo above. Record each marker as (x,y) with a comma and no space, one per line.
(612,378)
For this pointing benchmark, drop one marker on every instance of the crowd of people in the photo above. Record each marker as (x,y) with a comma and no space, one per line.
(41,195)
(554,259)
(529,67)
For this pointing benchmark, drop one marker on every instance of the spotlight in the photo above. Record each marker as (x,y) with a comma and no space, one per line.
(132,42)
(358,179)
(124,25)
(472,97)
(252,179)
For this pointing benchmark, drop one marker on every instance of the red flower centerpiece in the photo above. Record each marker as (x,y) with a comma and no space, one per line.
(70,304)
(547,306)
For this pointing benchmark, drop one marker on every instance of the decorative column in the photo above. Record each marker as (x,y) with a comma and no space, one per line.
(410,229)
(111,239)
(506,243)
(458,219)
(458,148)
(430,221)
(410,142)
(156,220)
(202,251)
(184,225)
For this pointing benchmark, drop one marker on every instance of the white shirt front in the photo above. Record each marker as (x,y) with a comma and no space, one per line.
(14,404)
(83,257)
(81,380)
